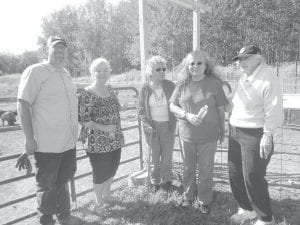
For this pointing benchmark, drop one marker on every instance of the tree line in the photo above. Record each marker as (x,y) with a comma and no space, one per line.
(97,28)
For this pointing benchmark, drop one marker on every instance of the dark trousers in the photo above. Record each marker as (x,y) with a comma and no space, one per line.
(53,171)
(247,171)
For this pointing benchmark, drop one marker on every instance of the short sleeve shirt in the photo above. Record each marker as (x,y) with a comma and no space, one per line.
(208,92)
(52,97)
(104,111)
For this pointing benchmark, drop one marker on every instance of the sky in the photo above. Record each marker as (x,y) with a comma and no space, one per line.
(20,21)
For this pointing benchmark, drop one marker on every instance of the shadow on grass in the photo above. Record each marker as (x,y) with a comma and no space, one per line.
(136,206)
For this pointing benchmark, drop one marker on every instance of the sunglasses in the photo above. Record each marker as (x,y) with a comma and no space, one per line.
(196,63)
(245,58)
(160,69)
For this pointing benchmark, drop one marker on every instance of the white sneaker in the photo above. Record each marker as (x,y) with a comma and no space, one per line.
(241,211)
(260,222)
(242,216)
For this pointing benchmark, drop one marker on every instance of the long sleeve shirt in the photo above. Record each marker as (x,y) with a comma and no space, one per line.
(257,100)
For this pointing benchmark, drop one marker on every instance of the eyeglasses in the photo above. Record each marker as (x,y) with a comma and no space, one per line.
(160,69)
(196,63)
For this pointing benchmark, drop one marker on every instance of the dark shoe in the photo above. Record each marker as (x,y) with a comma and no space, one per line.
(47,223)
(205,209)
(167,186)
(69,220)
(155,187)
(46,220)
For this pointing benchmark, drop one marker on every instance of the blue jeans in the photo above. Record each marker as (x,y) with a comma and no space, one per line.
(162,145)
(53,171)
(247,171)
(198,163)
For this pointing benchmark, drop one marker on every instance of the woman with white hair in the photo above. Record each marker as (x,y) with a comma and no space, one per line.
(98,113)
(158,122)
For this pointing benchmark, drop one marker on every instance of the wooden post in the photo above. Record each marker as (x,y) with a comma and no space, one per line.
(143,37)
(196,30)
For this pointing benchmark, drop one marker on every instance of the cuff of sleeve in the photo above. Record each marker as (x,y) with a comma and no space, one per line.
(268,133)
(29,152)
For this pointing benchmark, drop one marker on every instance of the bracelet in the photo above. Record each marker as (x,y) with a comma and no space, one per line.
(268,134)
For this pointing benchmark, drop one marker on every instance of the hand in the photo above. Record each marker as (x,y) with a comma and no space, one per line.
(30,145)
(221,135)
(82,136)
(148,130)
(111,128)
(266,146)
(193,119)
(23,162)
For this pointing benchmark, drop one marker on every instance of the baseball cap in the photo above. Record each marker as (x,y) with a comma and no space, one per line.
(53,40)
(247,51)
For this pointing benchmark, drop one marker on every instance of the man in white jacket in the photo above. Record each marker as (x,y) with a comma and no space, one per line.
(257,112)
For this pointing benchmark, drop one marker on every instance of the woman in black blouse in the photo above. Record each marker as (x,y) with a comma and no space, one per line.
(98,113)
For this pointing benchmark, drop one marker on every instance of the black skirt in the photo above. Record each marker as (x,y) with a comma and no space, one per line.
(104,165)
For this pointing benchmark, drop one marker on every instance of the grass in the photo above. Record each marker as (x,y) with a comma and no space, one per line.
(138,206)
(9,85)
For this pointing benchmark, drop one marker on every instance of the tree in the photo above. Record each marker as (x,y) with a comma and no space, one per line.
(98,29)
(65,24)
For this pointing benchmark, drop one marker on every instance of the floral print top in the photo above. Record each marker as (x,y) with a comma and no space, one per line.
(105,111)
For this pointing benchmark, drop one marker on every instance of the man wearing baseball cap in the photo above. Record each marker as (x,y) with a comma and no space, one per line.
(257,112)
(47,107)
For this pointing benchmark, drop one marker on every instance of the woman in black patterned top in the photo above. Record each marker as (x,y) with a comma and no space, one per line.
(98,113)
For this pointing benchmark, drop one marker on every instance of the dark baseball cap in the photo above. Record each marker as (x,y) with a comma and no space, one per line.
(247,51)
(53,40)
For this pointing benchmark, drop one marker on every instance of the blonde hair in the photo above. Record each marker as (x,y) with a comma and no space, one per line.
(151,62)
(97,62)
(182,71)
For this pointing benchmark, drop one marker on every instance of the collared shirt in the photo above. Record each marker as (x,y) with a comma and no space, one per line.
(257,100)
(52,96)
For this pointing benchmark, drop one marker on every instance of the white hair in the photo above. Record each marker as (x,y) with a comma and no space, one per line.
(151,62)
(98,61)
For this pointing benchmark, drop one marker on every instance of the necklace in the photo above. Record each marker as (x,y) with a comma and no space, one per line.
(158,92)
(158,95)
